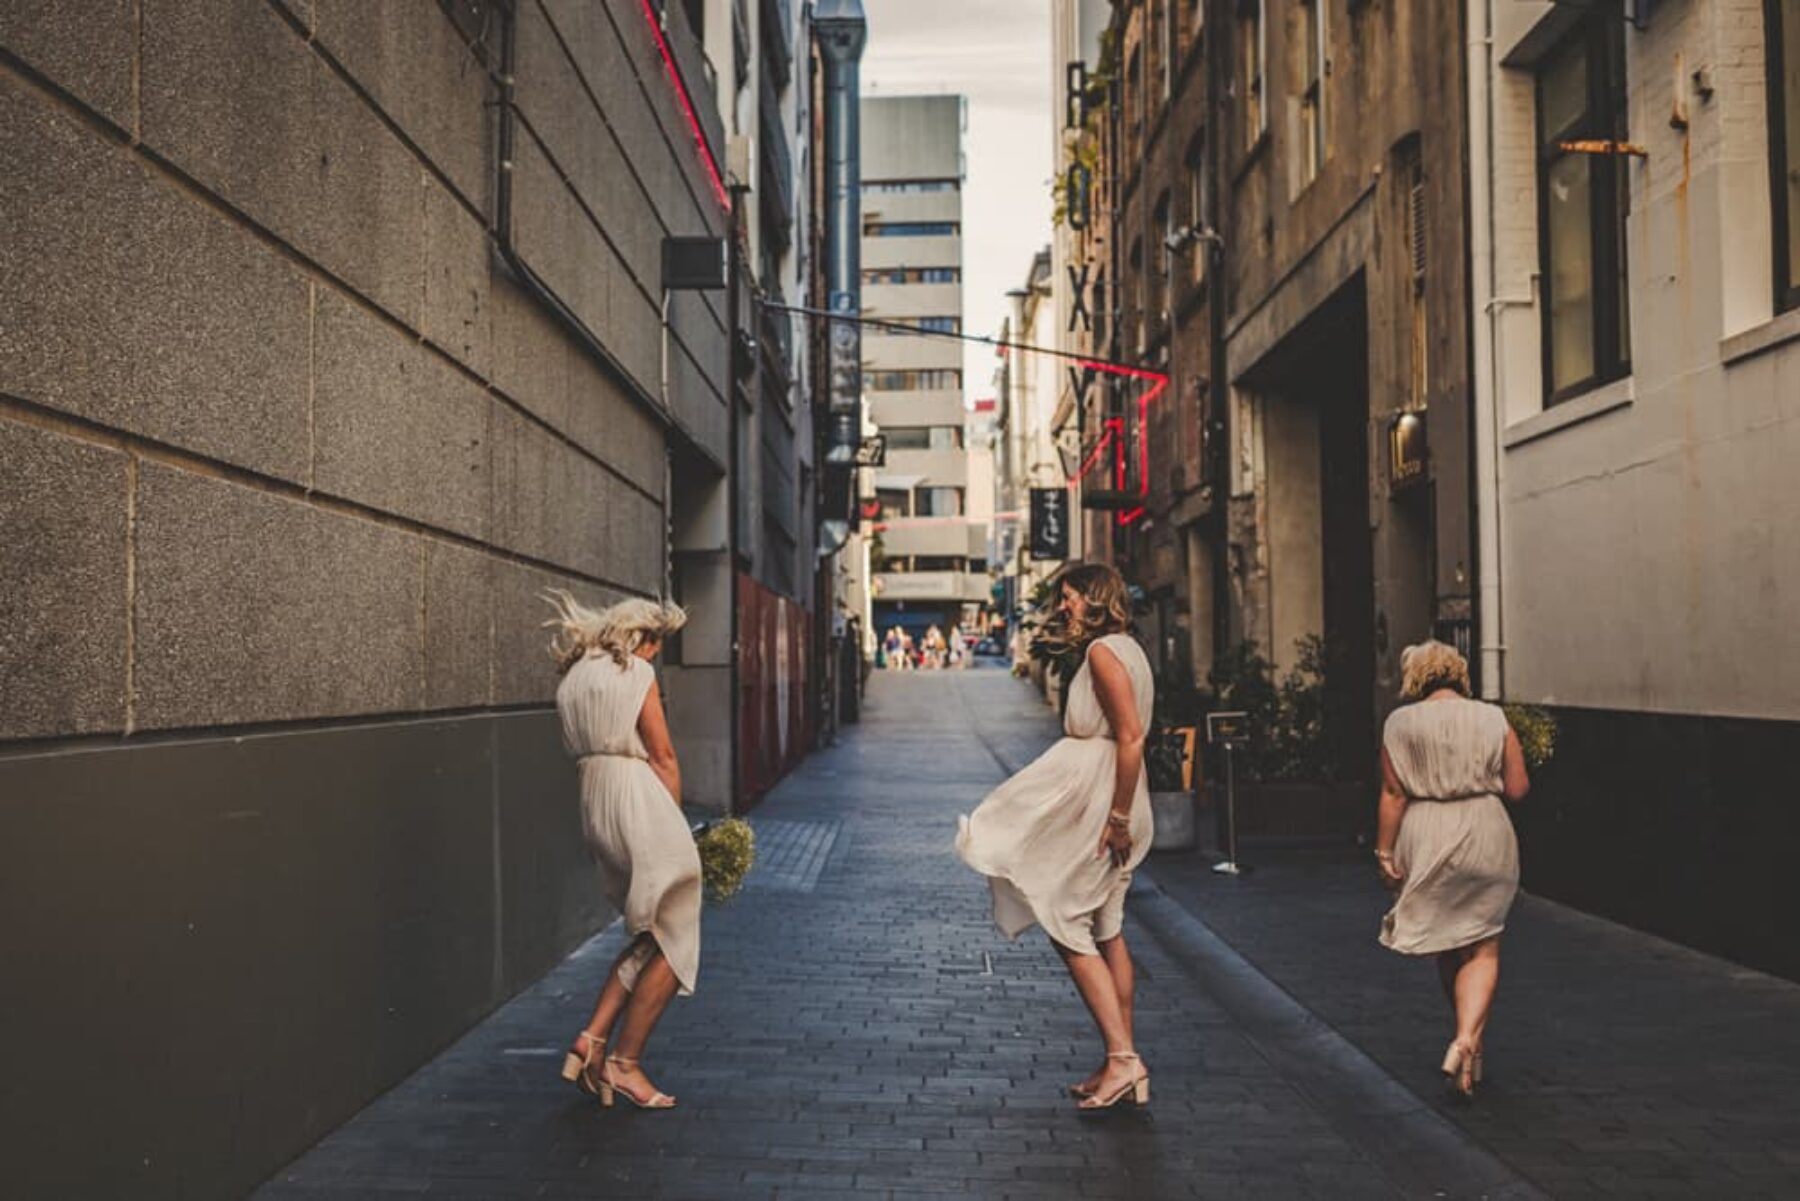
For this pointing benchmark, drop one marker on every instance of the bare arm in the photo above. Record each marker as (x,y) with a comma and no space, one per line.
(653,728)
(1515,784)
(1387,823)
(1112,688)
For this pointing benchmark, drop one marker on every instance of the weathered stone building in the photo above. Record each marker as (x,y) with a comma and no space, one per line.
(1330,139)
(332,335)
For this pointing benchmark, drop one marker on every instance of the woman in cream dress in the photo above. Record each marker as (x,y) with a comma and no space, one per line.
(1444,843)
(1058,842)
(649,869)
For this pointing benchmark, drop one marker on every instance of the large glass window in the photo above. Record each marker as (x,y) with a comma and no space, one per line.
(937,502)
(1583,195)
(895,502)
(923,437)
(1784,146)
(936,325)
(911,229)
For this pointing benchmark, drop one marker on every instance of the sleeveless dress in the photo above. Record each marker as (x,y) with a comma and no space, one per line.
(1456,845)
(642,848)
(1037,836)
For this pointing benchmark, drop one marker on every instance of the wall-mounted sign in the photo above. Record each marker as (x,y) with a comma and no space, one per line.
(1050,523)
(1228,729)
(1408,450)
(872,452)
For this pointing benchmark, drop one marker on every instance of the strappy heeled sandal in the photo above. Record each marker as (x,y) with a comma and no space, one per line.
(575,1067)
(1459,1068)
(608,1087)
(1137,1088)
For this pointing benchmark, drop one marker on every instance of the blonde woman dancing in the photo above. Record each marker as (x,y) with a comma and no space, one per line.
(1059,841)
(1444,843)
(613,722)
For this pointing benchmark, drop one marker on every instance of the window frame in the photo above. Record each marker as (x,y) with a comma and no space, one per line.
(1312,90)
(1782,227)
(1604,115)
(1253,64)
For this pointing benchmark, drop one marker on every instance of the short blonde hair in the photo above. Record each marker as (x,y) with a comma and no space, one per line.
(1429,666)
(618,629)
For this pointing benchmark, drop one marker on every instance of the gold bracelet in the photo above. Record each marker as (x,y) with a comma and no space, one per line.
(1119,819)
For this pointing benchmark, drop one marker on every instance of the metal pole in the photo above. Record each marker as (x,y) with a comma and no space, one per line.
(1230,866)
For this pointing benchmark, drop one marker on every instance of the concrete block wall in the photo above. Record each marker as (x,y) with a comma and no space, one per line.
(287,457)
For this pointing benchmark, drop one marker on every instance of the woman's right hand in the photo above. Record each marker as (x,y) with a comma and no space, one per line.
(1391,875)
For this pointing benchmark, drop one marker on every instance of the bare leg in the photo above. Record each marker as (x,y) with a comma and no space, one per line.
(1448,964)
(655,988)
(1476,982)
(611,1003)
(1098,990)
(1124,977)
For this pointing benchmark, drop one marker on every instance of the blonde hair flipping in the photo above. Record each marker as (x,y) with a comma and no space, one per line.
(1429,666)
(618,629)
(1108,608)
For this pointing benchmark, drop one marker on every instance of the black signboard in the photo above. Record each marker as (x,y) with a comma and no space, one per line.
(1050,523)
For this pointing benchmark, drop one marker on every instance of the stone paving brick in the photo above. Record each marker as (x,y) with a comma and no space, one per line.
(873,1037)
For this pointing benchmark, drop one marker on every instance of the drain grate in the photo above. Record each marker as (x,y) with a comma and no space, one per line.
(790,856)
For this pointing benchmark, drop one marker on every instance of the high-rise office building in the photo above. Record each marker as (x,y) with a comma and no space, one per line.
(930,551)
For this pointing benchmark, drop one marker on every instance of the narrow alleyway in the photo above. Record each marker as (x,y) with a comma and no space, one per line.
(861,1030)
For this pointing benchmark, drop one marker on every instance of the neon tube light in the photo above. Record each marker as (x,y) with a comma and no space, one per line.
(687,108)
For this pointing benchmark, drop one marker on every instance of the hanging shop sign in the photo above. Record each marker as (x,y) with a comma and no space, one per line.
(1050,524)
(1408,449)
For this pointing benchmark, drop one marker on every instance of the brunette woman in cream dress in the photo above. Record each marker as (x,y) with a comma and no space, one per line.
(649,869)
(1444,843)
(1058,842)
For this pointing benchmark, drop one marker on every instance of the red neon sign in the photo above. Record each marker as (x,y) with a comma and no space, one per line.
(687,108)
(1114,434)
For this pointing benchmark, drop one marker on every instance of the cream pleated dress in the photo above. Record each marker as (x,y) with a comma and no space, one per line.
(1456,846)
(649,868)
(1037,836)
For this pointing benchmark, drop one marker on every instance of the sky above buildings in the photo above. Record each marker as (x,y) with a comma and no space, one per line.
(997,53)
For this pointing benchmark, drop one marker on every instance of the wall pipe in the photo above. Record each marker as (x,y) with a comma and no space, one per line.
(1485,367)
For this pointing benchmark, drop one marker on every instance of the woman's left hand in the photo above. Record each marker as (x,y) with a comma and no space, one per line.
(1115,841)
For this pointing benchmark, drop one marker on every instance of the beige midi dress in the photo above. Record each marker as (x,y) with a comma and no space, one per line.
(642,848)
(1456,847)
(1037,836)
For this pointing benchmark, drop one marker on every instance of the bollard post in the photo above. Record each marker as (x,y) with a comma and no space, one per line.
(1227,730)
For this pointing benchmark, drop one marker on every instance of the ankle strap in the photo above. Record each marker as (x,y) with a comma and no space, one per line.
(620,1059)
(593,1038)
(1121,1055)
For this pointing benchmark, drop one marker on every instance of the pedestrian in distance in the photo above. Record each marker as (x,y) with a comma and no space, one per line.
(1059,841)
(1444,843)
(644,853)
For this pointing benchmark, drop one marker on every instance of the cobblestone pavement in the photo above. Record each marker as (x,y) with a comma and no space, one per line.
(861,1030)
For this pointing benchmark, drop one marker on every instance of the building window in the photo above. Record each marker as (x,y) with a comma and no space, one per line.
(939,562)
(1163,223)
(937,502)
(1582,205)
(911,229)
(1134,102)
(912,275)
(1784,146)
(911,185)
(895,502)
(923,437)
(934,325)
(935,379)
(1252,57)
(1313,37)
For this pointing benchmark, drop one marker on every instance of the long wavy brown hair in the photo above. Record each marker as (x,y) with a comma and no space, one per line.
(1107,609)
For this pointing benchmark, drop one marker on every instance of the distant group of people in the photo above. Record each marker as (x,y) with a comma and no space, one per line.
(900,651)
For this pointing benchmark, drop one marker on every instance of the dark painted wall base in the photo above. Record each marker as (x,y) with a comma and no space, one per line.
(217,950)
(1683,826)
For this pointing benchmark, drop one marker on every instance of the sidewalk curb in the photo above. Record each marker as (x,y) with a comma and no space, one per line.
(1424,1153)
